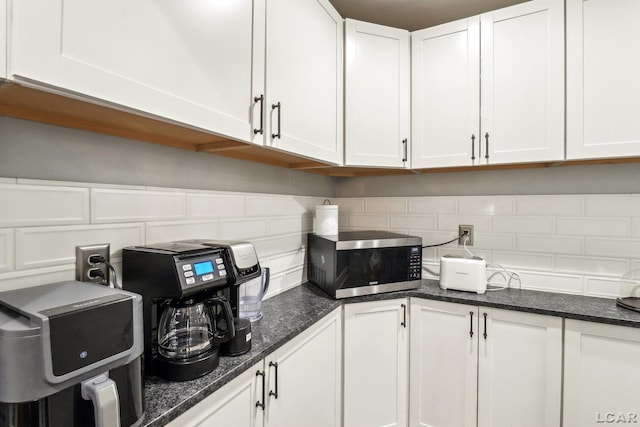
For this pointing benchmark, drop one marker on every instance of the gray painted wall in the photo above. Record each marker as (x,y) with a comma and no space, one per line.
(592,179)
(40,151)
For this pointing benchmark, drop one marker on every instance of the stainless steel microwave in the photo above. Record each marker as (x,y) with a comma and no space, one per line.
(354,263)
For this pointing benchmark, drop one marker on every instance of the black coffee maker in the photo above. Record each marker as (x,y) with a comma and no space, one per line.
(186,315)
(244,267)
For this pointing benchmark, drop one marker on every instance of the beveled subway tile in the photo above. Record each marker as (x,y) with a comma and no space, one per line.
(550,206)
(27,205)
(6,250)
(432,205)
(206,205)
(169,231)
(591,265)
(487,206)
(38,247)
(550,244)
(109,206)
(385,205)
(265,206)
(613,206)
(416,222)
(521,224)
(581,226)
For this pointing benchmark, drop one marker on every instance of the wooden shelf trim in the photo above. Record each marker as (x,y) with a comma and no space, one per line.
(31,104)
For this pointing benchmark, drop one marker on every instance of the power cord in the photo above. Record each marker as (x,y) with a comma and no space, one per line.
(446,243)
(506,275)
(113,277)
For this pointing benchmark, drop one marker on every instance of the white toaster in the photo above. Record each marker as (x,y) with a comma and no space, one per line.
(463,273)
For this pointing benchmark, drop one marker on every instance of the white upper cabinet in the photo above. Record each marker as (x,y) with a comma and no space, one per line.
(490,89)
(522,104)
(446,94)
(3,39)
(603,88)
(304,78)
(189,61)
(377,95)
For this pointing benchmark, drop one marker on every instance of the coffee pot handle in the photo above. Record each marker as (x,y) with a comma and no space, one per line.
(267,278)
(103,392)
(228,316)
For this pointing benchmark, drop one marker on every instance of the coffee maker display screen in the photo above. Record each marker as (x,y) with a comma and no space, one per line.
(201,268)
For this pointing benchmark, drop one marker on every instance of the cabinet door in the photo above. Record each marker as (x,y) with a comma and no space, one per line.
(304,77)
(187,61)
(3,39)
(304,389)
(234,405)
(523,83)
(375,363)
(444,365)
(377,79)
(520,369)
(446,94)
(601,374)
(603,59)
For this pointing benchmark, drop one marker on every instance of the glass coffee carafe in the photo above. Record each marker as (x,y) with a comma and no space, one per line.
(189,328)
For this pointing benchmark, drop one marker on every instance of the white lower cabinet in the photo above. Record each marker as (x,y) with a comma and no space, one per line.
(234,405)
(483,366)
(375,363)
(304,378)
(601,375)
(302,386)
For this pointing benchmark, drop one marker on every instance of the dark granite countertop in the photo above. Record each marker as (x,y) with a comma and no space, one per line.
(290,313)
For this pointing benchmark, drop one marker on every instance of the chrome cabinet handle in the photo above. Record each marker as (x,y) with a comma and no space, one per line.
(260,99)
(473,147)
(404,147)
(486,136)
(485,326)
(404,316)
(273,107)
(258,404)
(471,325)
(271,393)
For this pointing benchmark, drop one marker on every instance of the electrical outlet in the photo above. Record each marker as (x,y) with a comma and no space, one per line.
(468,236)
(84,266)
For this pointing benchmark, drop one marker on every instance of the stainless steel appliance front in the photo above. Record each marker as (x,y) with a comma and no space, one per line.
(367,262)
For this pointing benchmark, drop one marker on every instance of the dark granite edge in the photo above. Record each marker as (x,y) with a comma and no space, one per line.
(233,373)
(592,309)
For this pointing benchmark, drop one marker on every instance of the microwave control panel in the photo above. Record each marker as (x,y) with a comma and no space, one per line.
(415,262)
(208,270)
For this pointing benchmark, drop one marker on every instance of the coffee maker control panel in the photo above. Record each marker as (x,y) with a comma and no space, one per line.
(210,270)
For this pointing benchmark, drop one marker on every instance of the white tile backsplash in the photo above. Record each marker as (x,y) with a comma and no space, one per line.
(46,220)
(575,244)
(117,205)
(611,227)
(6,250)
(27,205)
(38,247)
(200,206)
(168,231)
(385,205)
(556,206)
(487,206)
(578,244)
